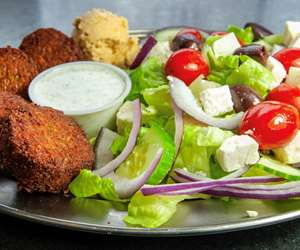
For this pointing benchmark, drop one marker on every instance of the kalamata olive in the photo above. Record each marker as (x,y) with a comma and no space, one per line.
(188,38)
(256,51)
(259,31)
(243,97)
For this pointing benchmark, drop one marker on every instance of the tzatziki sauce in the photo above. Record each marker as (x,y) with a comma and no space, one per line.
(78,87)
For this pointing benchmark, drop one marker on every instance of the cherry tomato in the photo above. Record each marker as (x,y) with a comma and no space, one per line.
(272,124)
(187,65)
(286,93)
(287,57)
(192,32)
(222,33)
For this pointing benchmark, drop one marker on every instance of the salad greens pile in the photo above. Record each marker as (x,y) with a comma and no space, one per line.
(199,142)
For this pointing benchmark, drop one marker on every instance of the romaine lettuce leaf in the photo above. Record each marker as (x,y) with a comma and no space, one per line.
(221,67)
(253,74)
(246,35)
(87,184)
(149,74)
(198,146)
(153,210)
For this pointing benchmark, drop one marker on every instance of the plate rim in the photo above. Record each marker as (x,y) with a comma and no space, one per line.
(149,232)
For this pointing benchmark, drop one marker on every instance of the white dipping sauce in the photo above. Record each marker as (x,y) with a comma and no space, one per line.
(78,87)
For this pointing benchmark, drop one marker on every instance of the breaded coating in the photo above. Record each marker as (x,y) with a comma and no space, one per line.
(8,102)
(47,149)
(17,70)
(49,47)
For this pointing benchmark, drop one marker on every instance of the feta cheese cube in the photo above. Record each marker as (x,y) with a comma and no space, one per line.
(290,153)
(226,45)
(237,152)
(293,76)
(216,101)
(277,70)
(291,31)
(295,43)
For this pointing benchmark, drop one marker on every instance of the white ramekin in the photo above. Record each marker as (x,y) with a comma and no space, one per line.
(91,120)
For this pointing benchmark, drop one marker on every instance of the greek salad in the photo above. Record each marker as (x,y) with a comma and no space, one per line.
(210,115)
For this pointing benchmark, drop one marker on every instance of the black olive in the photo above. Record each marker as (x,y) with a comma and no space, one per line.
(256,51)
(259,31)
(185,40)
(243,97)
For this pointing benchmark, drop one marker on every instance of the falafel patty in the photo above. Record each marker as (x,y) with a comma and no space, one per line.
(49,47)
(17,70)
(47,149)
(8,102)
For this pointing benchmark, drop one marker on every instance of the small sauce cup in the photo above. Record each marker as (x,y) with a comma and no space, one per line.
(90,92)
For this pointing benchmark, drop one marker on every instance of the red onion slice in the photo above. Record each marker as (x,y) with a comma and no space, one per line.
(280,194)
(127,187)
(111,166)
(204,185)
(148,45)
(179,126)
(186,101)
(187,176)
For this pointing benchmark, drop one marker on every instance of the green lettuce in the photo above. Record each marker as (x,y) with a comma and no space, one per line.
(221,67)
(198,147)
(87,184)
(149,74)
(159,98)
(153,210)
(246,35)
(274,39)
(253,74)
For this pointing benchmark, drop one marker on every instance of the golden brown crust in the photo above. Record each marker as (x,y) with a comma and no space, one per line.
(17,70)
(41,147)
(8,102)
(49,47)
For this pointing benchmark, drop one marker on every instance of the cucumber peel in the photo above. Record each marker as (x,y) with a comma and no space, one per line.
(143,153)
(277,168)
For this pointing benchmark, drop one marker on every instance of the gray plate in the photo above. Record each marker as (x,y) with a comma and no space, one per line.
(197,217)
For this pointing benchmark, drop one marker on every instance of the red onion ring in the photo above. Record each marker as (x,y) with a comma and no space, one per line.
(111,166)
(148,45)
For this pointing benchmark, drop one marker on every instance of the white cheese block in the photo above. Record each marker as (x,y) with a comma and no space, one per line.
(291,31)
(226,45)
(295,43)
(237,152)
(277,70)
(293,76)
(216,101)
(290,153)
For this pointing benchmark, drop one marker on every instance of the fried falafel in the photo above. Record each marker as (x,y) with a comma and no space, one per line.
(45,150)
(8,102)
(17,70)
(49,47)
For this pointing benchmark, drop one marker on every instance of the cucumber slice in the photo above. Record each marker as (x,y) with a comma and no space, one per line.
(143,153)
(279,169)
(168,33)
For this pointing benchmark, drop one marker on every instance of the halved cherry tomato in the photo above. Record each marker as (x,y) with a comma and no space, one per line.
(191,31)
(286,93)
(222,33)
(187,65)
(287,57)
(272,124)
